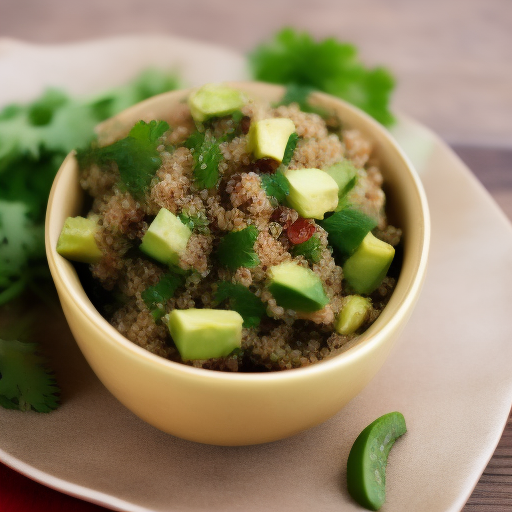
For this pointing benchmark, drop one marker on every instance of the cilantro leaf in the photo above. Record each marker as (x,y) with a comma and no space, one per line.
(25,382)
(275,185)
(289,149)
(241,300)
(136,156)
(156,296)
(347,228)
(311,249)
(197,222)
(299,94)
(207,157)
(34,139)
(293,57)
(148,83)
(20,242)
(236,249)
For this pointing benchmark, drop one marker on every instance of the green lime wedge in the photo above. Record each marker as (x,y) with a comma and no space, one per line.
(366,466)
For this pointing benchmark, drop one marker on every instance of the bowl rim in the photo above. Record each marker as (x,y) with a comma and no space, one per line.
(62,269)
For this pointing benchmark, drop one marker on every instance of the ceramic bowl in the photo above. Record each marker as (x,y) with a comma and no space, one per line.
(241,409)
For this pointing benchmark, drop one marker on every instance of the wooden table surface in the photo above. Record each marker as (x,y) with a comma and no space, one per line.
(452,63)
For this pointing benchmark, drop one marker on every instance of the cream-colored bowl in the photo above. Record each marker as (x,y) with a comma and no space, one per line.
(240,409)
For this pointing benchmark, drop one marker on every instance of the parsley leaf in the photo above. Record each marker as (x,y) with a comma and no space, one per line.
(197,222)
(236,249)
(289,149)
(207,157)
(293,57)
(275,185)
(25,382)
(311,249)
(136,155)
(241,300)
(156,296)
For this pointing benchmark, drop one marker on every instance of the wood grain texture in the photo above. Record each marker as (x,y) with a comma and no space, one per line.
(493,493)
(451,59)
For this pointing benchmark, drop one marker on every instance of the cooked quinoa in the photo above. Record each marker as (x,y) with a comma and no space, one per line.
(283,338)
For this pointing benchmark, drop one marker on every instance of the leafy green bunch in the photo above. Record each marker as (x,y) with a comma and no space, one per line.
(294,58)
(34,139)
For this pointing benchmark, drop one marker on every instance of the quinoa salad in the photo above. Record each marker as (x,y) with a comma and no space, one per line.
(236,235)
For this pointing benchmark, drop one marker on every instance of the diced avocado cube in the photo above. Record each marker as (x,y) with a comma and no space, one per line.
(367,267)
(77,240)
(166,238)
(312,192)
(344,173)
(205,333)
(353,314)
(296,287)
(268,138)
(214,100)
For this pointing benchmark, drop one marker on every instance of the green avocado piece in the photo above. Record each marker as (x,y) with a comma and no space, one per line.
(205,333)
(214,100)
(353,314)
(366,465)
(296,287)
(347,229)
(166,238)
(312,192)
(268,138)
(77,240)
(367,267)
(344,173)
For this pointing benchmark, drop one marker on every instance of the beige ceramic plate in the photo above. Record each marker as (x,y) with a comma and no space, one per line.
(450,374)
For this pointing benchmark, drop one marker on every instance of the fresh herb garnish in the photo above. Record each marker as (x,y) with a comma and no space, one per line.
(299,94)
(34,139)
(21,241)
(289,149)
(207,157)
(236,249)
(136,156)
(241,300)
(25,381)
(275,185)
(311,249)
(347,228)
(296,58)
(237,116)
(196,222)
(155,297)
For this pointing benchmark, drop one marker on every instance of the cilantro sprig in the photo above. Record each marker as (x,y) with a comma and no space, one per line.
(347,228)
(26,383)
(195,222)
(156,296)
(275,186)
(236,249)
(311,249)
(241,300)
(296,93)
(34,139)
(293,57)
(289,149)
(207,157)
(136,156)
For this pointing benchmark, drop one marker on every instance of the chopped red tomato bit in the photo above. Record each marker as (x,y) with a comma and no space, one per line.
(300,231)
